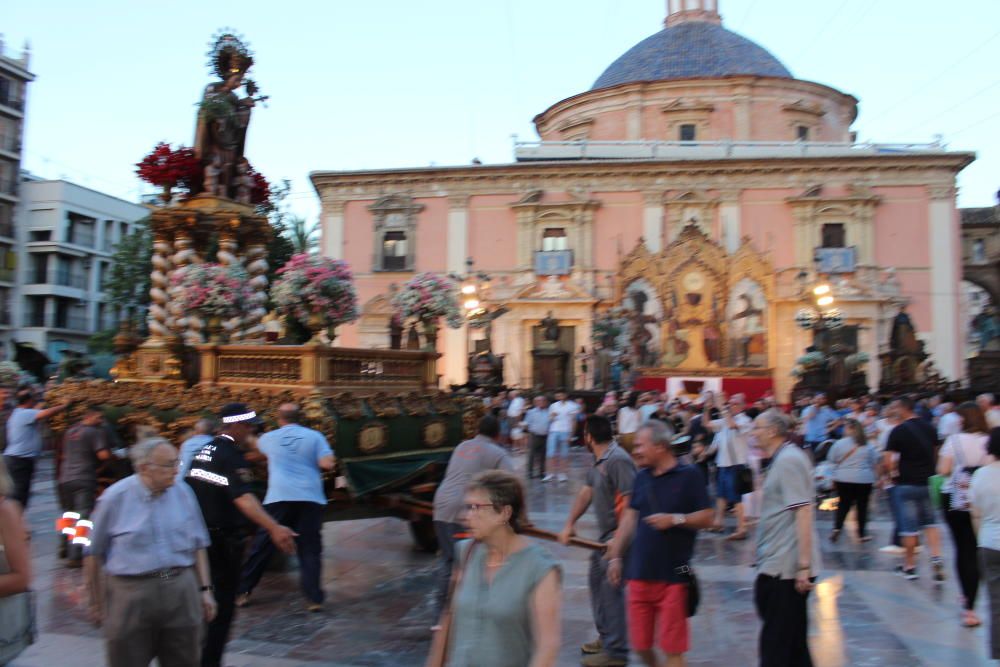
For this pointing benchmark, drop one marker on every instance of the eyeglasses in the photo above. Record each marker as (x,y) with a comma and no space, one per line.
(475,507)
(175,464)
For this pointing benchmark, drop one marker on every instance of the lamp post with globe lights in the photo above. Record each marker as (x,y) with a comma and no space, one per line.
(479,314)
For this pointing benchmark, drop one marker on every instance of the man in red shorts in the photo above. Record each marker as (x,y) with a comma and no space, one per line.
(669,505)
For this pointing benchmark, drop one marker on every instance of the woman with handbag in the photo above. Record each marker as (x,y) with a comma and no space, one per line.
(855,464)
(505,598)
(961,455)
(984,497)
(17,614)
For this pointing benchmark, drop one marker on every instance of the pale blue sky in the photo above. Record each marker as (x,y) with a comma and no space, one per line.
(396,83)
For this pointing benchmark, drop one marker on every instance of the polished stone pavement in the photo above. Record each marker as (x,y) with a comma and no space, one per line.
(376,615)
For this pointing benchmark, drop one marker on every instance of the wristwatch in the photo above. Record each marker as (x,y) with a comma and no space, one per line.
(204,589)
(679,519)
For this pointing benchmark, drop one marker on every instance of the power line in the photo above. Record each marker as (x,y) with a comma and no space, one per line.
(823,29)
(975,125)
(937,76)
(747,14)
(952,108)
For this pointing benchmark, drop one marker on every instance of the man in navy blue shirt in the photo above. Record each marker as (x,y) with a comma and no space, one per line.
(669,505)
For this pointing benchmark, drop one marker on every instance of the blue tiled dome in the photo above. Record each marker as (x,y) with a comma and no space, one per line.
(691,50)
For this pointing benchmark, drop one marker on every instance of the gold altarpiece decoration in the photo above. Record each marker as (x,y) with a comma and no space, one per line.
(693,308)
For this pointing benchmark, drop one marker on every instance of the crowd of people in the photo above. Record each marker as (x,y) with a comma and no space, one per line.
(171,551)
(658,463)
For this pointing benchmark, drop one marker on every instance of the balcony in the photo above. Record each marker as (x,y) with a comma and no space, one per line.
(7,229)
(527,151)
(12,103)
(34,318)
(553,262)
(10,187)
(72,322)
(61,277)
(82,237)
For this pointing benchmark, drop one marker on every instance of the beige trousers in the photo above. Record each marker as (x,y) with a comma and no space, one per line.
(150,617)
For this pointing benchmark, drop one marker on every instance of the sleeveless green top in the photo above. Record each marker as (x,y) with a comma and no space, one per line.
(491,622)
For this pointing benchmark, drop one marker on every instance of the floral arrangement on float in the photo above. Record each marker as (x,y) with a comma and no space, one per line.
(214,292)
(429,297)
(170,168)
(317,292)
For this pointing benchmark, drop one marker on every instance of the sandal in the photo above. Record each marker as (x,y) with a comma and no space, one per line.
(970,619)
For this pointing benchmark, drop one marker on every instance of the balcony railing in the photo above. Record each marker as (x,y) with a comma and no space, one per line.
(72,322)
(7,229)
(308,367)
(12,103)
(10,186)
(706,150)
(60,277)
(80,237)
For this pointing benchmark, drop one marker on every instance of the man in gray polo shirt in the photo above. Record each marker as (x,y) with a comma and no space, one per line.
(787,548)
(608,487)
(24,442)
(469,458)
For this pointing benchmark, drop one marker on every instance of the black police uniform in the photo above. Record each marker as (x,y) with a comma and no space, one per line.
(219,474)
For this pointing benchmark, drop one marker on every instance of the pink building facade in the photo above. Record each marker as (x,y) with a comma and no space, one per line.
(696,129)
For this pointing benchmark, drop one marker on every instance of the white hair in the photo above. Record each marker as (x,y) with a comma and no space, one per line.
(142,450)
(778,420)
(990,399)
(659,431)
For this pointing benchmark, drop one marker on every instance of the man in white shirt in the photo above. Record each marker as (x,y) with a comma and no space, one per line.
(562,421)
(988,404)
(949,423)
(732,431)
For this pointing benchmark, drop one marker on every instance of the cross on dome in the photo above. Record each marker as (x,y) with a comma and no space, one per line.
(691,11)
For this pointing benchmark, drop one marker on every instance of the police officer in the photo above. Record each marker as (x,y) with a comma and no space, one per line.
(220,477)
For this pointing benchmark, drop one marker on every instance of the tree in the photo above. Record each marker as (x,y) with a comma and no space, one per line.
(127,281)
(303,235)
(280,249)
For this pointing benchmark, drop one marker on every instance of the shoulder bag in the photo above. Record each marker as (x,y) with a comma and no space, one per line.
(961,479)
(744,476)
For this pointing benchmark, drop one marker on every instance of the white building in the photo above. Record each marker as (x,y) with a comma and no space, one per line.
(66,235)
(14,79)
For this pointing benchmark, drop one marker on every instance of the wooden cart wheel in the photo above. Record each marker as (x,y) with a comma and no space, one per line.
(422,530)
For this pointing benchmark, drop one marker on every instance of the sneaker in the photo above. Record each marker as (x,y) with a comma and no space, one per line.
(563,478)
(595,646)
(910,574)
(314,607)
(548,478)
(891,549)
(938,566)
(603,659)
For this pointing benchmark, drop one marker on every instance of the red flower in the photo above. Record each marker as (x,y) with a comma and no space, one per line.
(167,167)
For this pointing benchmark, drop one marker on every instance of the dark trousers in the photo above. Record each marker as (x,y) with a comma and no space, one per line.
(607,602)
(991,575)
(20,469)
(853,495)
(304,518)
(536,455)
(784,637)
(225,556)
(448,534)
(966,550)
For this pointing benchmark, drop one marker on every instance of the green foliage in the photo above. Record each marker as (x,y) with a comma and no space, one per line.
(280,249)
(127,281)
(303,235)
(102,342)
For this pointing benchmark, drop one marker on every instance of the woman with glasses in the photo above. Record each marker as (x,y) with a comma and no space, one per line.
(506,596)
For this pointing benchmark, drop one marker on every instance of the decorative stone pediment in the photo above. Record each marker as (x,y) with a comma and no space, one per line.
(537,210)
(682,105)
(691,207)
(554,289)
(803,107)
(855,210)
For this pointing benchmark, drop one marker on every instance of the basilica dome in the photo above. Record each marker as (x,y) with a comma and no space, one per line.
(691,50)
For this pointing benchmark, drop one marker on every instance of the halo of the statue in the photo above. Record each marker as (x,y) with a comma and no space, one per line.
(224,46)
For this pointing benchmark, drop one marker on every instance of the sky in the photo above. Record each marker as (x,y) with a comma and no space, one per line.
(396,83)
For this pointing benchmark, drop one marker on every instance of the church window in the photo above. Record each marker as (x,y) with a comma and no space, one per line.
(554,238)
(394,251)
(802,133)
(688,132)
(834,235)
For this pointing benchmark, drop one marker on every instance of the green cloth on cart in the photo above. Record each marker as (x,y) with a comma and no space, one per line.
(374,473)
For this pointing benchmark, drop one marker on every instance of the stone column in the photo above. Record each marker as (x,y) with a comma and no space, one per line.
(332,234)
(257,267)
(729,217)
(226,256)
(186,325)
(159,318)
(652,220)
(945,346)
(455,347)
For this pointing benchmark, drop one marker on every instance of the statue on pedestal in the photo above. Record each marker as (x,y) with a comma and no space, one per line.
(223,117)
(550,331)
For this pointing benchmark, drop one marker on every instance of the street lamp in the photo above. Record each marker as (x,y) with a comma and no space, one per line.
(821,313)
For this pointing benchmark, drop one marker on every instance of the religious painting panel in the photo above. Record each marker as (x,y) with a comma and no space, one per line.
(746,314)
(691,331)
(645,316)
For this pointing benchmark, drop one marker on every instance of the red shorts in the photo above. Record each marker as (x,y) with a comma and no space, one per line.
(658,608)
